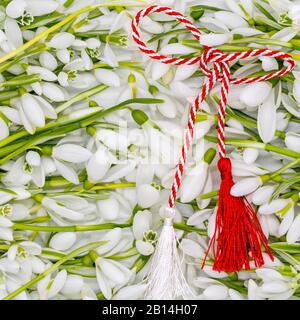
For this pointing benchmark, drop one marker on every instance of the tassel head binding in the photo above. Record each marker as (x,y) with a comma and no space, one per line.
(238,236)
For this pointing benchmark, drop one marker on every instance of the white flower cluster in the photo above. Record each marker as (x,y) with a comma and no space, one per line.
(90,135)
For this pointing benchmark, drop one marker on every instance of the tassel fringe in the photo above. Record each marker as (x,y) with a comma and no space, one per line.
(166,280)
(238,235)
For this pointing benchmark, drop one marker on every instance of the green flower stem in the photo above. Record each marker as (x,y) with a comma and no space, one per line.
(54,267)
(208,195)
(113,186)
(184,227)
(20,81)
(263,41)
(74,228)
(38,49)
(124,255)
(80,97)
(256,145)
(269,176)
(60,24)
(228,48)
(62,130)
(46,252)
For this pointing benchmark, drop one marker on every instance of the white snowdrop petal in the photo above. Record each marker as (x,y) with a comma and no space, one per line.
(15,8)
(63,241)
(32,110)
(4,131)
(39,8)
(109,208)
(133,292)
(262,195)
(33,158)
(266,119)
(71,153)
(191,248)
(58,283)
(66,171)
(255,93)
(293,233)
(44,73)
(13,32)
(215,39)
(216,292)
(176,48)
(147,195)
(47,60)
(250,155)
(273,207)
(232,20)
(112,238)
(61,40)
(292,141)
(53,92)
(144,248)
(107,77)
(245,186)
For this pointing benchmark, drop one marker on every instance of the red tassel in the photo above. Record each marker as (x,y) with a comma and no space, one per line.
(238,234)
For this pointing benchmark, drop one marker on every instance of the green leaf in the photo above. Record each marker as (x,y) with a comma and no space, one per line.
(283,186)
(286,247)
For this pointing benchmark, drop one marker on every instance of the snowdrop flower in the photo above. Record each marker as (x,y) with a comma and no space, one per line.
(98,164)
(33,110)
(44,73)
(65,209)
(145,237)
(111,274)
(16,8)
(48,288)
(292,141)
(64,155)
(274,285)
(26,254)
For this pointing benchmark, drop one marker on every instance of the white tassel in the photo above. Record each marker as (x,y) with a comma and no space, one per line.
(166,280)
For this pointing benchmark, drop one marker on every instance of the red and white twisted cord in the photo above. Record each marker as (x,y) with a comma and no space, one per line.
(219,71)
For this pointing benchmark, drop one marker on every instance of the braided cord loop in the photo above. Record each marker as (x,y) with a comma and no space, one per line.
(215,65)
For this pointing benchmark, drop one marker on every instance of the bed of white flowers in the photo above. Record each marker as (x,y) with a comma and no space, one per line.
(90,133)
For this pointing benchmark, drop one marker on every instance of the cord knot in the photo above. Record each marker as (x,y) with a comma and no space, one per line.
(224,166)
